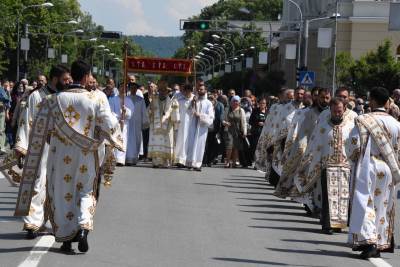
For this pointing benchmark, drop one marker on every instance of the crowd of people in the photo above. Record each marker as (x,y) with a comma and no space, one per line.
(86,129)
(340,160)
(336,155)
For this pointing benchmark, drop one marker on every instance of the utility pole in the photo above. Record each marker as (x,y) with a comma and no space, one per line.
(26,52)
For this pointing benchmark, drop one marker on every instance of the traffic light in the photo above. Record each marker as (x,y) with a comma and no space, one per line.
(196,25)
(110,35)
(298,70)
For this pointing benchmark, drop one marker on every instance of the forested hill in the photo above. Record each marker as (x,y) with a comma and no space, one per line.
(159,46)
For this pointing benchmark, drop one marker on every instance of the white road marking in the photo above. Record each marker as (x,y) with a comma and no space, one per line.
(2,175)
(40,248)
(378,262)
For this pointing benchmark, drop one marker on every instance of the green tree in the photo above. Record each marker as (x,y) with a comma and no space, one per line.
(260,10)
(47,28)
(344,64)
(376,68)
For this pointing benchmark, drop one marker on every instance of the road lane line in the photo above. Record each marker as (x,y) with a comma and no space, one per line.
(378,262)
(40,248)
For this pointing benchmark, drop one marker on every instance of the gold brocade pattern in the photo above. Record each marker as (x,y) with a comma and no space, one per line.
(71,115)
(79,186)
(67,178)
(68,197)
(83,169)
(67,159)
(88,125)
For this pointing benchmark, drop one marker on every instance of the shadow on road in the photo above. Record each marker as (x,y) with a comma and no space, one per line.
(265,199)
(231,186)
(262,262)
(247,180)
(7,203)
(286,220)
(250,193)
(316,242)
(274,206)
(298,214)
(295,229)
(12,209)
(250,261)
(22,249)
(12,236)
(331,253)
(267,187)
(10,197)
(249,176)
(282,208)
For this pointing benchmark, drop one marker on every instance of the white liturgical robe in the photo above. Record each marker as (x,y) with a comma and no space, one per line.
(138,122)
(116,108)
(28,112)
(377,137)
(191,140)
(75,123)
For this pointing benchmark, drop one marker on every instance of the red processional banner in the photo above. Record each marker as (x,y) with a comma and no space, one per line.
(159,65)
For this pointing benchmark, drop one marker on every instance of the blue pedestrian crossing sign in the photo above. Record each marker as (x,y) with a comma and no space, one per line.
(307,78)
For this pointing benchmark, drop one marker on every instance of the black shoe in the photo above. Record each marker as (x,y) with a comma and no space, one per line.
(337,230)
(30,234)
(209,165)
(120,165)
(197,169)
(83,245)
(308,210)
(67,247)
(327,231)
(370,251)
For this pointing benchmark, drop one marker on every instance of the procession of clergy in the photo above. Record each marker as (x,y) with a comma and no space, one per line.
(86,132)
(341,166)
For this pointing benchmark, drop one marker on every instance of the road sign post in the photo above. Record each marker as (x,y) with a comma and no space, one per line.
(307,78)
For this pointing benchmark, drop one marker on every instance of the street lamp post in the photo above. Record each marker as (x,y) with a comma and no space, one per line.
(219,48)
(104,54)
(215,52)
(99,46)
(212,60)
(70,22)
(300,34)
(306,34)
(248,12)
(19,13)
(335,50)
(200,63)
(215,36)
(79,31)
(206,62)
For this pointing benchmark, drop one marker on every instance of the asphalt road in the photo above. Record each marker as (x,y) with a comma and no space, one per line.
(157,217)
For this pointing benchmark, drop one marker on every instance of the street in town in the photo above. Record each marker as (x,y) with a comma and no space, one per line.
(157,217)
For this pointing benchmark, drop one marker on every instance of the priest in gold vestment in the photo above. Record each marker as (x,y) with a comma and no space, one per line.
(164,120)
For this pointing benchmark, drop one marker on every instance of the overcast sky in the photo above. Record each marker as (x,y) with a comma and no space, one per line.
(143,17)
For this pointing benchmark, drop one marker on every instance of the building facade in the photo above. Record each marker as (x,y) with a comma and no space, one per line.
(362,26)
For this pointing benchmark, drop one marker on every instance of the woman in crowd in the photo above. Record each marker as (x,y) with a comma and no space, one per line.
(17,93)
(235,131)
(256,122)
